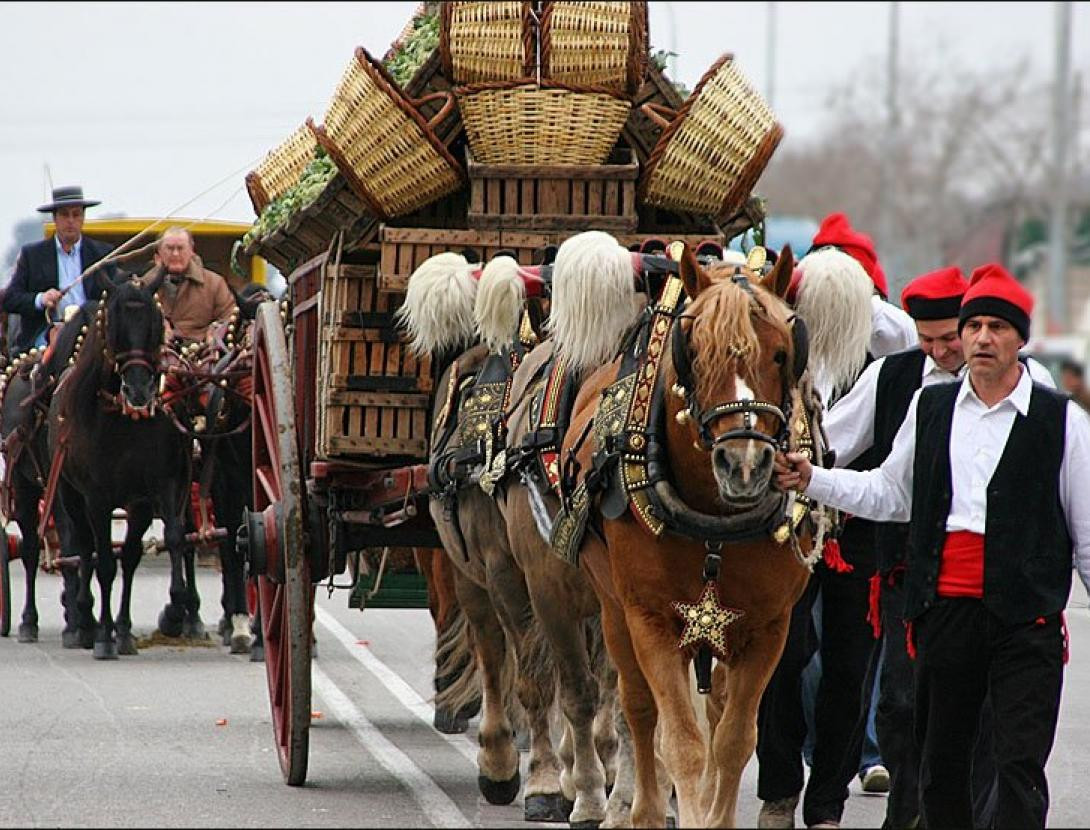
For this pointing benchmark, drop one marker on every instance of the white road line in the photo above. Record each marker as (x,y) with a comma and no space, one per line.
(436,804)
(405,694)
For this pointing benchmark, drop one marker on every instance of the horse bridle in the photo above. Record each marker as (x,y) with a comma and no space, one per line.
(749,409)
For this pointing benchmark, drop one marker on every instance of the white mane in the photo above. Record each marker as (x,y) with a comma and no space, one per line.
(592,299)
(500,297)
(438,308)
(834,300)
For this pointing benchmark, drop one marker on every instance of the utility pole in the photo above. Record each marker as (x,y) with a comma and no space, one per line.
(770,56)
(1057,226)
(887,169)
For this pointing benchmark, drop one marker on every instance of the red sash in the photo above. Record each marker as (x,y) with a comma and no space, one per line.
(961,573)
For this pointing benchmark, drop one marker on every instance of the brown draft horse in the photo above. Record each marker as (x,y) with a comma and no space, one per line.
(740,346)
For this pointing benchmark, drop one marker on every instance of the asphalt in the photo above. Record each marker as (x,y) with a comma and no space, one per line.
(180,735)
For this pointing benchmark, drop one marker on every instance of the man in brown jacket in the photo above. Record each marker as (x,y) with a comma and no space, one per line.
(193,297)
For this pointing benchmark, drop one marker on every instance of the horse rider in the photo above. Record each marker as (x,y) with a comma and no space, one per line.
(46,269)
(865,420)
(193,297)
(992,473)
(842,584)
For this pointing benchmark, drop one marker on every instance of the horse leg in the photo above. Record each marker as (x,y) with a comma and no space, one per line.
(641,715)
(173,615)
(498,759)
(227,504)
(579,693)
(132,551)
(99,515)
(667,672)
(607,741)
(193,627)
(27,495)
(735,736)
(70,514)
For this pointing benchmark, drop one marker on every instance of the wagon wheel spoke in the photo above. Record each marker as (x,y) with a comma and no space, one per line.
(285,601)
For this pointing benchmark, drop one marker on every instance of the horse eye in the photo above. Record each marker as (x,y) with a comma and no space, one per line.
(780,357)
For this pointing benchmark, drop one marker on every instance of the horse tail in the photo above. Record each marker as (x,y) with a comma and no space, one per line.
(457,678)
(834,298)
(498,307)
(593,299)
(438,307)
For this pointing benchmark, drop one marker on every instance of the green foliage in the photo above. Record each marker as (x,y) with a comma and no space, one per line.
(410,54)
(312,182)
(660,58)
(1033,230)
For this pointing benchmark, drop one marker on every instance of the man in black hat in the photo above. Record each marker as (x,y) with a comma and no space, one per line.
(45,269)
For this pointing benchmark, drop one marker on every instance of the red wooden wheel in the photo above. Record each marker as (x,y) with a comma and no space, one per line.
(284,589)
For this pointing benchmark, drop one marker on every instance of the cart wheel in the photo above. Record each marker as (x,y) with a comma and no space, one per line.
(10,545)
(283,584)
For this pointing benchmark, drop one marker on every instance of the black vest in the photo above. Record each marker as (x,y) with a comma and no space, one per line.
(857,539)
(899,378)
(1027,549)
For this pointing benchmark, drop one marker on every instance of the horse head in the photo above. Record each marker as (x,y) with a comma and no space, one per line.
(131,325)
(736,352)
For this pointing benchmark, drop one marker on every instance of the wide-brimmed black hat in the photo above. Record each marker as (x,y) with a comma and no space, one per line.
(65,197)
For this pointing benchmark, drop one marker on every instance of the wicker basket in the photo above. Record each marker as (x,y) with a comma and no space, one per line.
(714,148)
(384,148)
(521,122)
(486,41)
(281,168)
(595,43)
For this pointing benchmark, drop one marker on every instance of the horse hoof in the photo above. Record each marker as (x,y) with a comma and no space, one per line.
(87,638)
(552,808)
(499,792)
(257,654)
(240,644)
(126,645)
(194,629)
(168,625)
(589,824)
(224,627)
(70,639)
(448,723)
(28,633)
(105,650)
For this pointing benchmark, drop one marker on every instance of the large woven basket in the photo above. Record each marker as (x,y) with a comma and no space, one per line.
(712,150)
(521,122)
(486,41)
(281,168)
(382,145)
(595,43)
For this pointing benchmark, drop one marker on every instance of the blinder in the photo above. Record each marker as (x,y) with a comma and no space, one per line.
(800,345)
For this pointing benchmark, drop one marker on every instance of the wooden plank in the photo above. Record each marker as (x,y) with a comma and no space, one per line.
(628,199)
(586,172)
(596,205)
(578,197)
(553,197)
(527,196)
(558,222)
(511,201)
(476,197)
(612,197)
(378,446)
(391,400)
(493,200)
(420,424)
(435,236)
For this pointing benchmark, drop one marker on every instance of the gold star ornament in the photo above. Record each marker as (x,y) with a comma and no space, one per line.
(706,621)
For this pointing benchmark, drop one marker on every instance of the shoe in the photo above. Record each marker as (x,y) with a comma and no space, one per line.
(779,814)
(875,779)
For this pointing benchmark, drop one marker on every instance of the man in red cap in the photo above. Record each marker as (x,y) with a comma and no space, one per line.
(993,472)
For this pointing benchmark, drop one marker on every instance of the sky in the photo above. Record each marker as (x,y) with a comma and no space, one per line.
(148,105)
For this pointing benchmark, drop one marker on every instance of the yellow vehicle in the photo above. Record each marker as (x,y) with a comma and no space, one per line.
(213,238)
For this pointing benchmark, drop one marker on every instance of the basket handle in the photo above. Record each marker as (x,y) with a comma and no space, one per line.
(444,111)
(658,113)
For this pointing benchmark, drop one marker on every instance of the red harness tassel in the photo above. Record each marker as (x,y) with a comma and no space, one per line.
(910,640)
(874,611)
(833,560)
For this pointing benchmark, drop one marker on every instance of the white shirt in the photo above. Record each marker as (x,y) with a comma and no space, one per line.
(892,328)
(977,439)
(849,424)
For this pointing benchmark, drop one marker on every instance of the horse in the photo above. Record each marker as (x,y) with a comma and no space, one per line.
(27,390)
(114,446)
(728,387)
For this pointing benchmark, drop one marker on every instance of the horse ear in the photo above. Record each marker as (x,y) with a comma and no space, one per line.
(779,278)
(693,276)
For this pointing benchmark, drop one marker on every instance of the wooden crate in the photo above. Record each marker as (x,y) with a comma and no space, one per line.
(571,197)
(404,249)
(373,392)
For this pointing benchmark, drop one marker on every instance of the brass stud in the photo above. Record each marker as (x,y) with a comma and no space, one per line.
(683,417)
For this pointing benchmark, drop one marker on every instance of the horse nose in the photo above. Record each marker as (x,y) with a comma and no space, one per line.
(749,466)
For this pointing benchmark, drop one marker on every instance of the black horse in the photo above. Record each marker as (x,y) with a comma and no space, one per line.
(229,452)
(31,380)
(120,449)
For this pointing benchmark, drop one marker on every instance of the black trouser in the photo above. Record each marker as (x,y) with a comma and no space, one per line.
(848,656)
(896,706)
(964,653)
